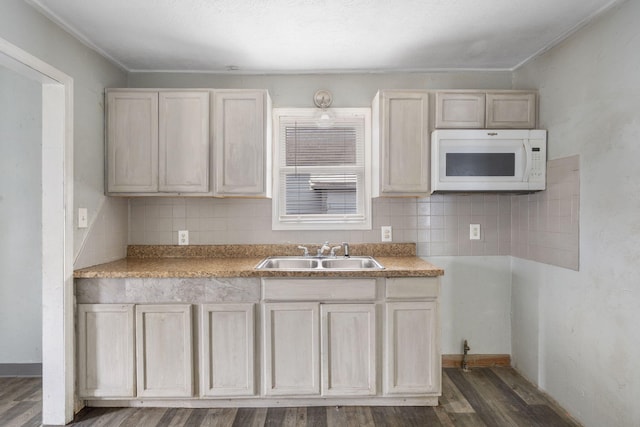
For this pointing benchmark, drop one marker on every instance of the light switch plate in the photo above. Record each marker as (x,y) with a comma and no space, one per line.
(183,237)
(83,218)
(386,233)
(474,231)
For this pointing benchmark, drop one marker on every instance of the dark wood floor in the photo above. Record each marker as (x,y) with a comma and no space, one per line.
(491,397)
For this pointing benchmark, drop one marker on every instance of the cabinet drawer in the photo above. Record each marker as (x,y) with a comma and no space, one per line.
(414,287)
(318,289)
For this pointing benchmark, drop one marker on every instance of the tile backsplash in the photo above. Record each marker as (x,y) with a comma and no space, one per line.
(542,226)
(438,224)
(546,225)
(245,221)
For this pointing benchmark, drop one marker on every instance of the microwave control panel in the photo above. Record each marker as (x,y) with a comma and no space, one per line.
(538,162)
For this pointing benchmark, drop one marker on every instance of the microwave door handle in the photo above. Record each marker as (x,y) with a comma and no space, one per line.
(528,159)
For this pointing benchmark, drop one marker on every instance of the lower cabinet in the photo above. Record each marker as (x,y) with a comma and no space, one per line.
(160,364)
(164,350)
(348,349)
(328,341)
(227,350)
(127,350)
(412,362)
(346,357)
(291,349)
(106,352)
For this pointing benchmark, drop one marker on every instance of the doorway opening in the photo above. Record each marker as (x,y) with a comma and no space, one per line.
(57,230)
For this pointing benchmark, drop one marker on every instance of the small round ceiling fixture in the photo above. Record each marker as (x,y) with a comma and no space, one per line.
(322,98)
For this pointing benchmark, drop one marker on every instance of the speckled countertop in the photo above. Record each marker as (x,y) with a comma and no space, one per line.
(399,260)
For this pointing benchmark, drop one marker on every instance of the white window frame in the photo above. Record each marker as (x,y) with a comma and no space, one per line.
(281,221)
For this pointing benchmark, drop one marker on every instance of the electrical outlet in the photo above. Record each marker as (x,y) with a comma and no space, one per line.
(83,218)
(183,237)
(386,233)
(474,231)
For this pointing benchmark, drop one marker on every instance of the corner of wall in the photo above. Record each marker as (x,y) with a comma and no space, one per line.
(107,237)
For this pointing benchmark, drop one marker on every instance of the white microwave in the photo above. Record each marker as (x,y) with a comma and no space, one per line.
(488,160)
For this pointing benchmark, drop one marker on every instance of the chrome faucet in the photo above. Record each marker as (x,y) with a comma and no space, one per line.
(306,250)
(333,251)
(325,246)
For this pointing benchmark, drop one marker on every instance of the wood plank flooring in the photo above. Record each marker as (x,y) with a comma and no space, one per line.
(491,397)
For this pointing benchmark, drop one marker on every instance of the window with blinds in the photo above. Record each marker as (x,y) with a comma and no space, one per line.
(322,169)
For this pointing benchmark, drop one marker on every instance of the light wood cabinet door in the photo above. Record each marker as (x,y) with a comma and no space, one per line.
(511,110)
(291,349)
(106,350)
(455,110)
(183,152)
(132,142)
(348,349)
(412,355)
(240,143)
(164,355)
(227,349)
(401,142)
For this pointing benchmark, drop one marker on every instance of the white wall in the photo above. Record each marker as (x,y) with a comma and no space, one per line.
(349,90)
(475,303)
(576,333)
(24,27)
(20,219)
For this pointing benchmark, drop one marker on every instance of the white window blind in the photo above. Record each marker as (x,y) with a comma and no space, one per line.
(321,171)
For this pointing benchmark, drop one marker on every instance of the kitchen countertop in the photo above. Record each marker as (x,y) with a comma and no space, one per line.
(166,261)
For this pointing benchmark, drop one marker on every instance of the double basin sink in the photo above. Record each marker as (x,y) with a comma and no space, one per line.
(302,263)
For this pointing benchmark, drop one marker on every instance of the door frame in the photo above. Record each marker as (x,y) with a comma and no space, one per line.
(58,365)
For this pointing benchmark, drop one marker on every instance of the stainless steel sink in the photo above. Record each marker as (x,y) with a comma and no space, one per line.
(288,263)
(352,263)
(301,263)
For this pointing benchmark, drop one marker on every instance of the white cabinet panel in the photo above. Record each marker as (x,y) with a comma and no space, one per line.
(157,141)
(241,147)
(303,289)
(401,143)
(132,141)
(227,345)
(412,364)
(475,109)
(511,110)
(291,356)
(106,350)
(348,349)
(164,350)
(184,141)
(460,110)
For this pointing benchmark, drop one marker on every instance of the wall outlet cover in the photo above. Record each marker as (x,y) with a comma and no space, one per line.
(474,231)
(386,233)
(183,237)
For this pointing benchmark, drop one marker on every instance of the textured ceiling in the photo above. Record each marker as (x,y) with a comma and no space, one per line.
(291,36)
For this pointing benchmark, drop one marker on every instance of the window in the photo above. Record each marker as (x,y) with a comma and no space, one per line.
(322,169)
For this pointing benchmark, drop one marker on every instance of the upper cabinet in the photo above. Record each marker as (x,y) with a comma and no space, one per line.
(511,110)
(183,149)
(188,142)
(474,109)
(400,137)
(157,141)
(132,142)
(241,135)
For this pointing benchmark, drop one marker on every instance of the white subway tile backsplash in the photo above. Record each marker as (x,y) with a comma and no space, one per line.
(179,224)
(541,226)
(179,211)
